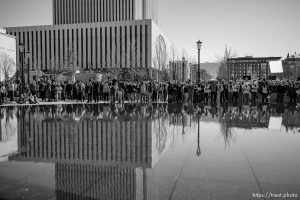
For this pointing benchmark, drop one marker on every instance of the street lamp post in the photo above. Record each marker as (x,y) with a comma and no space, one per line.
(199,44)
(21,54)
(183,72)
(28,68)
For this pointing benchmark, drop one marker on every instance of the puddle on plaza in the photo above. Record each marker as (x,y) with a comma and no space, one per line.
(132,151)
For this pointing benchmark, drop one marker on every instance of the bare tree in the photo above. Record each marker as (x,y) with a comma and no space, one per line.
(174,52)
(7,65)
(223,62)
(160,58)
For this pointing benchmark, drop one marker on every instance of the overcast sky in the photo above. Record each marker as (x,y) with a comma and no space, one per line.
(251,27)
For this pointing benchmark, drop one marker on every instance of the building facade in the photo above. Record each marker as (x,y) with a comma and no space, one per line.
(291,67)
(93,11)
(253,67)
(98,36)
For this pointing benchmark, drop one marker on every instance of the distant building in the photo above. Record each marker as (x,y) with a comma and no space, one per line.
(180,70)
(291,67)
(253,67)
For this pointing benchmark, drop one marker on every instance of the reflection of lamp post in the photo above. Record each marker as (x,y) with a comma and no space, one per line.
(183,77)
(183,128)
(199,44)
(198,147)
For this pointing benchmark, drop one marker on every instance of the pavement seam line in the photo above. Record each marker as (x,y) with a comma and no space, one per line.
(252,170)
(177,179)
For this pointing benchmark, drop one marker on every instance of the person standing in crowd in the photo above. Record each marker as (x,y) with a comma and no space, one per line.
(265,93)
(42,90)
(246,91)
(143,92)
(53,90)
(11,90)
(280,92)
(106,92)
(221,88)
(63,92)
(254,89)
(59,91)
(79,91)
(100,91)
(75,91)
(95,85)
(33,88)
(190,93)
(206,93)
(292,91)
(89,91)
(2,93)
(230,92)
(214,91)
(69,90)
(235,92)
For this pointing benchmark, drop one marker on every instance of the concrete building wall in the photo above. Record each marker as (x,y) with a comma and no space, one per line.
(92,11)
(72,179)
(124,44)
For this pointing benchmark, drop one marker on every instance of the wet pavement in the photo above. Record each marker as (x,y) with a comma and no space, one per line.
(155,151)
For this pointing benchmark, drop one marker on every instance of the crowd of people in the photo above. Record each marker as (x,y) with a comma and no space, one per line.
(113,91)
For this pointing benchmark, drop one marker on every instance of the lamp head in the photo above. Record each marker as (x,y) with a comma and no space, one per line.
(199,44)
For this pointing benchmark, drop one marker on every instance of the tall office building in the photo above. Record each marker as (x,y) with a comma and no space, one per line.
(92,11)
(103,34)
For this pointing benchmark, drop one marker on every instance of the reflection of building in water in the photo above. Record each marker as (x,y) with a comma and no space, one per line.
(96,158)
(75,181)
(126,142)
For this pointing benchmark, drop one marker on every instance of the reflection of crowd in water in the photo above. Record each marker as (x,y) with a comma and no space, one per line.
(242,113)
